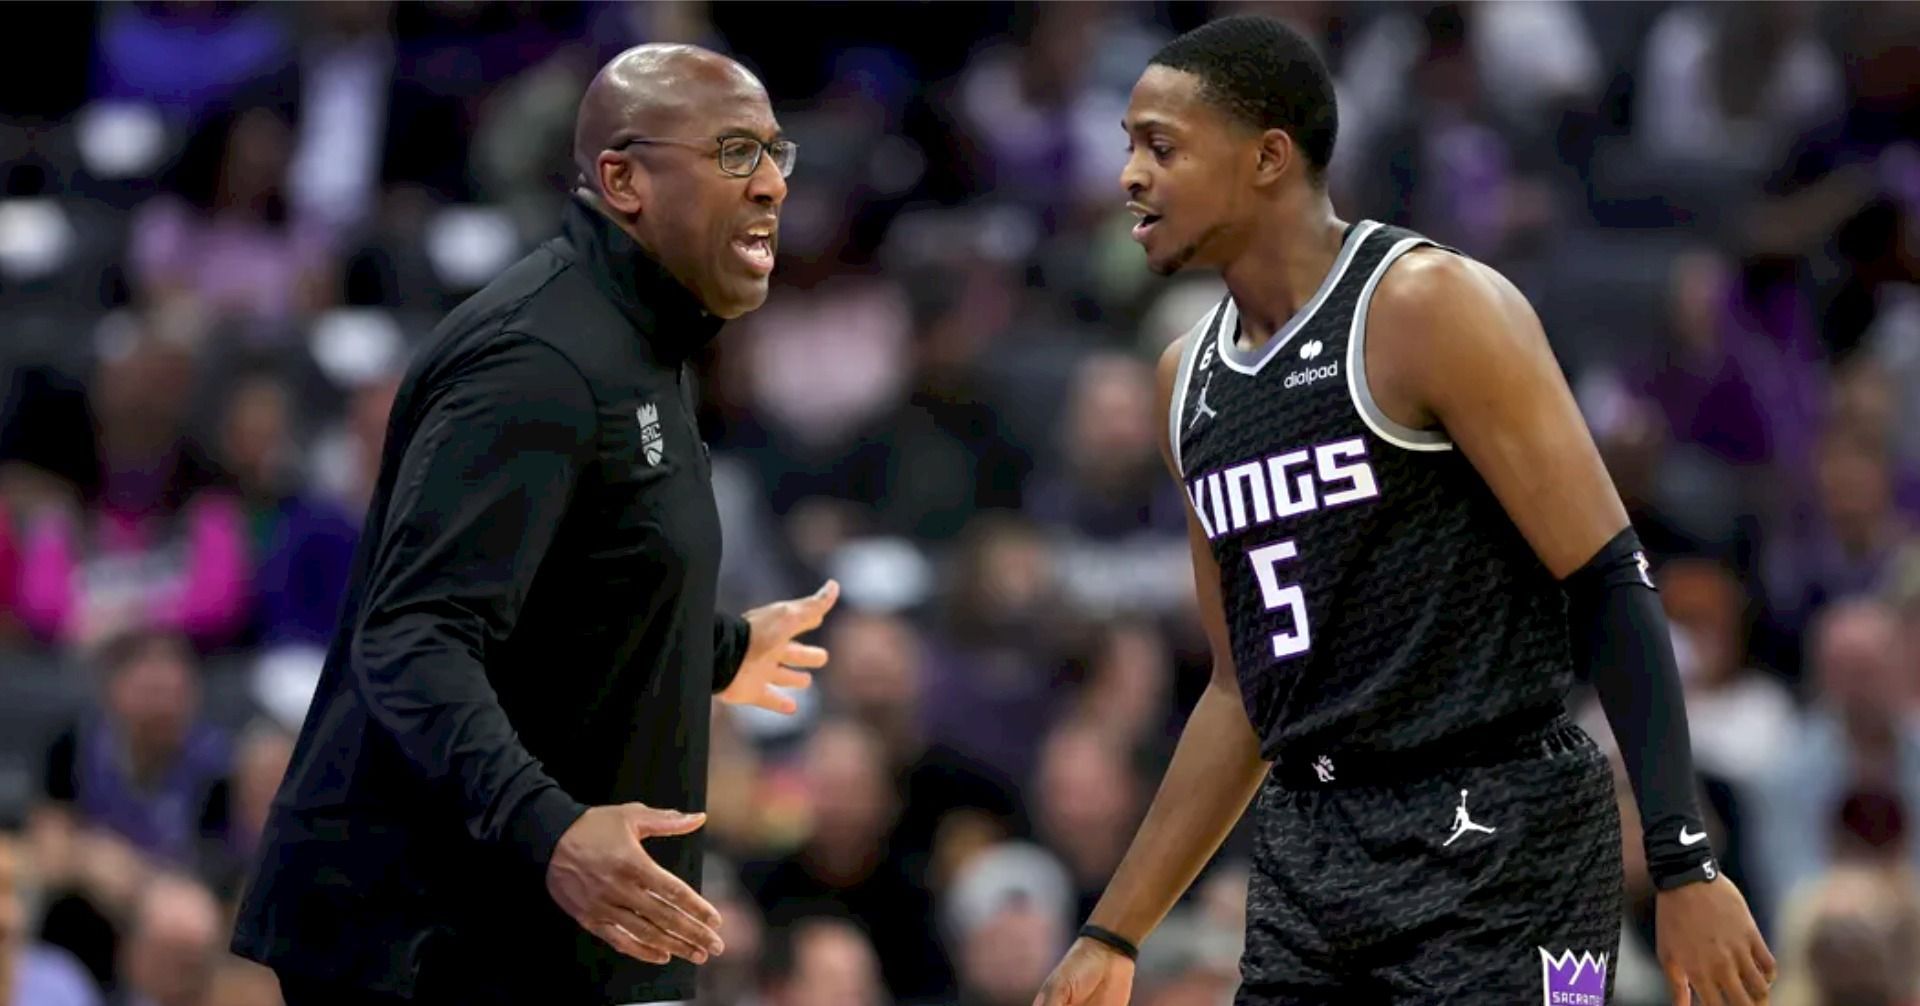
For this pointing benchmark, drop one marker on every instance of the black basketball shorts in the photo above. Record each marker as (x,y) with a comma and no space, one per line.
(1493,882)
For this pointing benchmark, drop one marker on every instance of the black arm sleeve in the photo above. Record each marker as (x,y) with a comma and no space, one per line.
(1619,629)
(479,494)
(730,637)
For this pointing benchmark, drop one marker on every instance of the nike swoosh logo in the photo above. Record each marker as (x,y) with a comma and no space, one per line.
(1691,838)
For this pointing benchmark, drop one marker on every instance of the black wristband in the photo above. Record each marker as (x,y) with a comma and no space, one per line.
(1112,939)
(1699,871)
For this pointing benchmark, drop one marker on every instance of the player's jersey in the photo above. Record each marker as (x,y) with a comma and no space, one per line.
(1376,593)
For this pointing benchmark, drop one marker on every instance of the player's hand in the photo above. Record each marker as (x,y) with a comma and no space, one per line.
(602,877)
(773,658)
(1092,974)
(1708,942)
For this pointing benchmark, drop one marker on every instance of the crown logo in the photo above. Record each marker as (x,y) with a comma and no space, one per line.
(1573,981)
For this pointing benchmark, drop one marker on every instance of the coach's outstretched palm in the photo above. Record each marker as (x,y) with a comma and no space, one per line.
(602,877)
(1090,975)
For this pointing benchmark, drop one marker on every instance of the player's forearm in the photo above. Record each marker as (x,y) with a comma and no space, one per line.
(1215,772)
(1619,629)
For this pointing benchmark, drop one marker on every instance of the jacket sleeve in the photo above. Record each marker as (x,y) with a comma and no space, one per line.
(731,634)
(497,446)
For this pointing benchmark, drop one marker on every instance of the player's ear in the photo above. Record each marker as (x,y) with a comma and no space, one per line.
(1277,154)
(624,185)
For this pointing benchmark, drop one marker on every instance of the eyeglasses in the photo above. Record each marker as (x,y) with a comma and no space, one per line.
(739,155)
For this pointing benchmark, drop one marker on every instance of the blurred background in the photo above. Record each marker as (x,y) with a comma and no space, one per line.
(225,226)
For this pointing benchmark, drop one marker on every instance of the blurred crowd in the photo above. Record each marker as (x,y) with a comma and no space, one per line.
(225,226)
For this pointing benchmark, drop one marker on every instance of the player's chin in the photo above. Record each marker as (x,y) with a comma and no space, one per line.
(1168,263)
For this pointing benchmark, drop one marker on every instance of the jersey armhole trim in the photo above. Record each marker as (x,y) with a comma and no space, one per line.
(1385,428)
(1183,377)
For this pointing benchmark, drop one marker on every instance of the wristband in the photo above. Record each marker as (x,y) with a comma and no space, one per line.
(1678,854)
(1112,939)
(1701,871)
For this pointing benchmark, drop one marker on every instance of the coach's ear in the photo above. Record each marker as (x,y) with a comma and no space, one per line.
(1277,156)
(624,185)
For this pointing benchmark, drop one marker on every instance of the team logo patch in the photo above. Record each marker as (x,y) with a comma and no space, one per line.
(1568,980)
(649,416)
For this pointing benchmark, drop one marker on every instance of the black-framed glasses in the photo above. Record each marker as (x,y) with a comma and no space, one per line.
(739,155)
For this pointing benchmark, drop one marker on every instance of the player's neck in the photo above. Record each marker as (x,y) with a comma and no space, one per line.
(1283,266)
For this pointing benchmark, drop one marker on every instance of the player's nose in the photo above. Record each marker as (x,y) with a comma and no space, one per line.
(1133,177)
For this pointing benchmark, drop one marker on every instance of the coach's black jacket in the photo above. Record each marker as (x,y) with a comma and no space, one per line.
(530,631)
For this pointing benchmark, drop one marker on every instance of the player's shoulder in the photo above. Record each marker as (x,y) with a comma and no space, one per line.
(1178,349)
(1432,288)
(1430,276)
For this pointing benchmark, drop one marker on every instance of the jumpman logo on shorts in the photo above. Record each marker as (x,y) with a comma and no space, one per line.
(1462,823)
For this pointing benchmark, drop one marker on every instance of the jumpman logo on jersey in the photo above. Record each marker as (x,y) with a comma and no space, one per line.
(1462,823)
(1204,408)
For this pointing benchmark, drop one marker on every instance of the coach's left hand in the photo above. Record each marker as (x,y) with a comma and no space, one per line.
(774,658)
(1708,942)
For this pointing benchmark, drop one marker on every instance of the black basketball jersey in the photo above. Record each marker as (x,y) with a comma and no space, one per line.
(1376,593)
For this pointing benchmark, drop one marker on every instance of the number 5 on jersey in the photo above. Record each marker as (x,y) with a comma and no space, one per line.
(1266,560)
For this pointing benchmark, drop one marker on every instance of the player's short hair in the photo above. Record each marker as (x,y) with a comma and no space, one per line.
(1264,73)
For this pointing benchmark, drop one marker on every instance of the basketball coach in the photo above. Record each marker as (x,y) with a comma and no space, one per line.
(495,796)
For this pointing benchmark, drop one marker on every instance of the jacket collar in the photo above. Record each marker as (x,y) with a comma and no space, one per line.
(662,311)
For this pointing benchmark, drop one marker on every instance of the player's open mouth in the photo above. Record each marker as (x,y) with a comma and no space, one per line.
(1147,219)
(755,248)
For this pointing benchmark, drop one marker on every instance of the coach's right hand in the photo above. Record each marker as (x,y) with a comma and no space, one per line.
(1091,974)
(602,877)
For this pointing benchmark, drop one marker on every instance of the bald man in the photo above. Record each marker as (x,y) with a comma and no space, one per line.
(495,794)
(168,957)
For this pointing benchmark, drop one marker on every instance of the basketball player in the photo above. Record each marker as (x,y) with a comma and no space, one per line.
(1403,541)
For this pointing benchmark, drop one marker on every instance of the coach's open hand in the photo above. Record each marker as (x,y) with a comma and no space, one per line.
(1708,942)
(773,657)
(601,876)
(1091,974)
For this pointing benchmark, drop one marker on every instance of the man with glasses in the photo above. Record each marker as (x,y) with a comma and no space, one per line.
(518,692)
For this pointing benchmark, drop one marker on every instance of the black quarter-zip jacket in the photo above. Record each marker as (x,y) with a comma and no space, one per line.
(530,630)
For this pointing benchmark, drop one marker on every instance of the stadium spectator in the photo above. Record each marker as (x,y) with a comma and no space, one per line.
(223,238)
(1087,799)
(173,944)
(157,542)
(32,973)
(148,767)
(846,864)
(949,804)
(1008,915)
(824,961)
(1862,734)
(299,544)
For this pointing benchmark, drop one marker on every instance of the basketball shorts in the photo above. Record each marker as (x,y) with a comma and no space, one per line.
(1488,878)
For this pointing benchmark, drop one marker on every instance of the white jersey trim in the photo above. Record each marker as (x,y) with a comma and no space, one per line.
(1376,418)
(1243,362)
(1196,342)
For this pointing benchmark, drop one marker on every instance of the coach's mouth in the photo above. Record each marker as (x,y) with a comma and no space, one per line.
(755,246)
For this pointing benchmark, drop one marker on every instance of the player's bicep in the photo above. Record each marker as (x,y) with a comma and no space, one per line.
(1493,383)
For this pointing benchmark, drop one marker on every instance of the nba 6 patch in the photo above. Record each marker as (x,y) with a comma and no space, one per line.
(1573,981)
